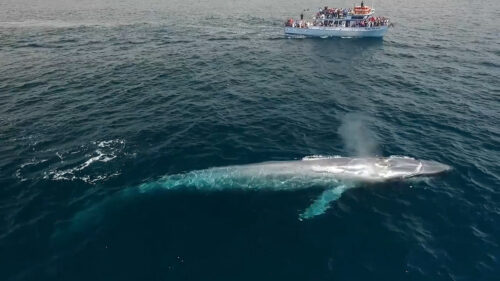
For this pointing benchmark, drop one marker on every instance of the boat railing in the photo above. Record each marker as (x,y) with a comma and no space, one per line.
(339,26)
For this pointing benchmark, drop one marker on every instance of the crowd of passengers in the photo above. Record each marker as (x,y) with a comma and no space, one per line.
(333,13)
(368,22)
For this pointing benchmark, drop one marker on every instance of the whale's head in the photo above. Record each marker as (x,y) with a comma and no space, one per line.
(373,169)
(406,167)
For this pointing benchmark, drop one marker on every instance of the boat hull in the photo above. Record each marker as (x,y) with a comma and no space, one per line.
(358,32)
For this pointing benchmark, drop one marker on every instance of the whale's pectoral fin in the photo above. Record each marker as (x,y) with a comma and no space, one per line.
(322,203)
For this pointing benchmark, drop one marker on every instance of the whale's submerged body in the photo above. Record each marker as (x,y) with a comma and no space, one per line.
(335,174)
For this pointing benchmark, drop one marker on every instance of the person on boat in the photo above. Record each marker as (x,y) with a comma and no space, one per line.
(362,4)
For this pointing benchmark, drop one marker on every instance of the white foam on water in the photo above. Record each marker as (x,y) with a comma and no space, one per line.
(32,162)
(108,143)
(105,151)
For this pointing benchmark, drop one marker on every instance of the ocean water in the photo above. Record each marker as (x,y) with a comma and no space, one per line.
(99,98)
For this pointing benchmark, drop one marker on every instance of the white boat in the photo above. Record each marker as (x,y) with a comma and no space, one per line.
(331,22)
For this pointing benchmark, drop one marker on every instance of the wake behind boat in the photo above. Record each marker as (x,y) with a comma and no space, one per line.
(338,22)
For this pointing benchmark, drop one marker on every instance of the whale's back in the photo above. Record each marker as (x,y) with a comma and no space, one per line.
(317,171)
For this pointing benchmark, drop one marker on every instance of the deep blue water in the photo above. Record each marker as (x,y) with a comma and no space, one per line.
(99,97)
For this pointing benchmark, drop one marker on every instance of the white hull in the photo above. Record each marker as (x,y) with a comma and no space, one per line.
(319,31)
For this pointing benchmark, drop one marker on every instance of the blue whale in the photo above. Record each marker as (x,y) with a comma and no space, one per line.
(334,174)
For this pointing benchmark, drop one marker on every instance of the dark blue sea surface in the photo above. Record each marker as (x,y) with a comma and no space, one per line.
(99,98)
